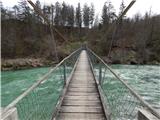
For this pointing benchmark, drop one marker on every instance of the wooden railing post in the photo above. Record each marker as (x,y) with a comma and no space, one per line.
(146,115)
(11,114)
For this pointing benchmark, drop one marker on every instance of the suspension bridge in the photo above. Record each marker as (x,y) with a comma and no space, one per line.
(74,90)
(81,95)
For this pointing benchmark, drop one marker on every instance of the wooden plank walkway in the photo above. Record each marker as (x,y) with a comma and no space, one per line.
(82,99)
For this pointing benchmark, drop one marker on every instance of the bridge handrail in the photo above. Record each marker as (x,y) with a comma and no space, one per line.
(38,82)
(146,104)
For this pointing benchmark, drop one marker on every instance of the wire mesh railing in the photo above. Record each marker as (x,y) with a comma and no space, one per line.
(123,102)
(39,101)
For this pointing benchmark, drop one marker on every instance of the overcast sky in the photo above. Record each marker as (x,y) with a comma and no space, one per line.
(140,6)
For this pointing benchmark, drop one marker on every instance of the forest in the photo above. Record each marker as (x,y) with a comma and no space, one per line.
(25,34)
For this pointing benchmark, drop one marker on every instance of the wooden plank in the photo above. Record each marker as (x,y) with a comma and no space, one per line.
(81,116)
(82,94)
(89,98)
(83,109)
(82,84)
(81,103)
(82,90)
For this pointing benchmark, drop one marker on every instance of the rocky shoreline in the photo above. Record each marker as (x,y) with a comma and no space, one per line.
(129,56)
(24,63)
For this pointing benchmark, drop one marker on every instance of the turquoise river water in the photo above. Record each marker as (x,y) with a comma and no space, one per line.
(144,79)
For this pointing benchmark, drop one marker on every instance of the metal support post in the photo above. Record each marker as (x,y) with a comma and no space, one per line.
(64,72)
(100,73)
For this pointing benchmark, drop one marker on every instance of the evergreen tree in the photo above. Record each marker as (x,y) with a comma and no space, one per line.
(86,13)
(37,16)
(48,12)
(16,10)
(57,19)
(64,14)
(121,9)
(24,11)
(96,22)
(105,18)
(70,19)
(79,19)
(91,14)
(78,16)
(52,14)
(3,11)
(108,12)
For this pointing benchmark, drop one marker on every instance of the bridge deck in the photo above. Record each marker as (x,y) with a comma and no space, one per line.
(82,99)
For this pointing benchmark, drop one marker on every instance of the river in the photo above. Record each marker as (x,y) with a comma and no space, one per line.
(144,79)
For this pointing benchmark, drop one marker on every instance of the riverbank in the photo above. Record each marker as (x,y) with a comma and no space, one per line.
(130,56)
(24,63)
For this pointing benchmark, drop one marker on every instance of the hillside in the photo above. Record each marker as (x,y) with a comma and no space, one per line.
(33,41)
